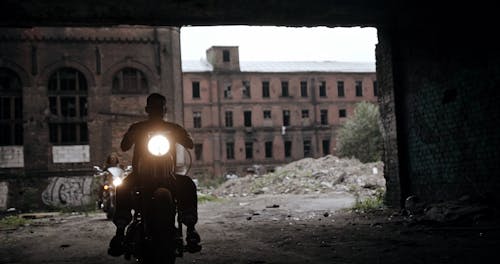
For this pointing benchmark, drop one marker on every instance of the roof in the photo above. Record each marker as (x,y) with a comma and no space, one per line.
(285,66)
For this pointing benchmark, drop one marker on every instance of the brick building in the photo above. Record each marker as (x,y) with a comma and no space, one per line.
(67,95)
(267,113)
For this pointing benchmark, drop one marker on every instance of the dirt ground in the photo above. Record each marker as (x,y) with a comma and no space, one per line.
(268,229)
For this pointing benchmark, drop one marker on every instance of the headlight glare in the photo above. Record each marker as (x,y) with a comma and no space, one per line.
(158,145)
(117,182)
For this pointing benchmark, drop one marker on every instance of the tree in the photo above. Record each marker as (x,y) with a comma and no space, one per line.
(360,135)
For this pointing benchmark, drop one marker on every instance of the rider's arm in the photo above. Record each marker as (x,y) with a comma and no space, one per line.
(128,139)
(183,137)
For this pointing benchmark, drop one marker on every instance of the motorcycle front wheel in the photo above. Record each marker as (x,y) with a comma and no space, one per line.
(163,227)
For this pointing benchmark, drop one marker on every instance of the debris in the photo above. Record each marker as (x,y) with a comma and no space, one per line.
(306,176)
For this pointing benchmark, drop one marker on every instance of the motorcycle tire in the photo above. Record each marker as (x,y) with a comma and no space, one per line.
(163,227)
(110,213)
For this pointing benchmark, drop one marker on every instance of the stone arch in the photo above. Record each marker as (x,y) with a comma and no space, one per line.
(107,80)
(65,63)
(26,80)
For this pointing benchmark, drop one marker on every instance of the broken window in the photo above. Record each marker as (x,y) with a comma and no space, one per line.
(229,150)
(303,88)
(342,113)
(227,91)
(307,148)
(322,89)
(286,117)
(324,117)
(67,94)
(340,89)
(246,89)
(359,88)
(265,89)
(288,149)
(126,81)
(196,89)
(226,56)
(268,149)
(284,89)
(249,150)
(197,119)
(11,111)
(267,114)
(247,118)
(326,146)
(198,151)
(229,118)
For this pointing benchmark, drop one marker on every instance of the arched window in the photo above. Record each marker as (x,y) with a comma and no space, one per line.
(130,81)
(67,91)
(11,108)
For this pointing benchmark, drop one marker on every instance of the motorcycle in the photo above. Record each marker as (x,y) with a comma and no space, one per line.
(111,178)
(153,235)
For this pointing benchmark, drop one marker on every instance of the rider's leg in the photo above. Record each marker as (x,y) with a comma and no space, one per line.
(122,216)
(188,209)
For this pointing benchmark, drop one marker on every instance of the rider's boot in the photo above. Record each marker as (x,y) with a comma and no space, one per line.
(116,247)
(192,240)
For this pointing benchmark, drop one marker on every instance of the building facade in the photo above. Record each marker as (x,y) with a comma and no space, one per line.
(67,96)
(243,114)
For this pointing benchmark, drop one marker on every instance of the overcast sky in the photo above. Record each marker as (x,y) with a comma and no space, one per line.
(266,43)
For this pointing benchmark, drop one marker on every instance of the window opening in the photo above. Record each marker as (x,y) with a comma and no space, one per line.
(359,88)
(340,89)
(324,117)
(126,81)
(265,89)
(11,108)
(196,89)
(67,94)
(229,118)
(197,119)
(247,118)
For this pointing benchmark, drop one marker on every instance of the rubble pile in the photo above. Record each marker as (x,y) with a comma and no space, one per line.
(309,176)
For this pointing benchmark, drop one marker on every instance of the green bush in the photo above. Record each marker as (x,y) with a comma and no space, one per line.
(360,135)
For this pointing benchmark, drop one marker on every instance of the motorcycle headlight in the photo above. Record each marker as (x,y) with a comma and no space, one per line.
(117,182)
(105,187)
(158,145)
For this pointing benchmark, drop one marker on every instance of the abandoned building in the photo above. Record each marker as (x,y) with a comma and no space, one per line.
(243,114)
(438,68)
(69,94)
(67,102)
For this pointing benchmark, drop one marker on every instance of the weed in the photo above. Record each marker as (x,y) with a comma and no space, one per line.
(202,198)
(13,221)
(369,204)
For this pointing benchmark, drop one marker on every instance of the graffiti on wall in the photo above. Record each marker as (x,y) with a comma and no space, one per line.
(68,191)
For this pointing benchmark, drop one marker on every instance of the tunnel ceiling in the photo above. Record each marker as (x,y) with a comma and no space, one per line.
(234,12)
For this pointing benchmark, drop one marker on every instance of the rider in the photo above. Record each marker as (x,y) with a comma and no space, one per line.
(111,161)
(185,192)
